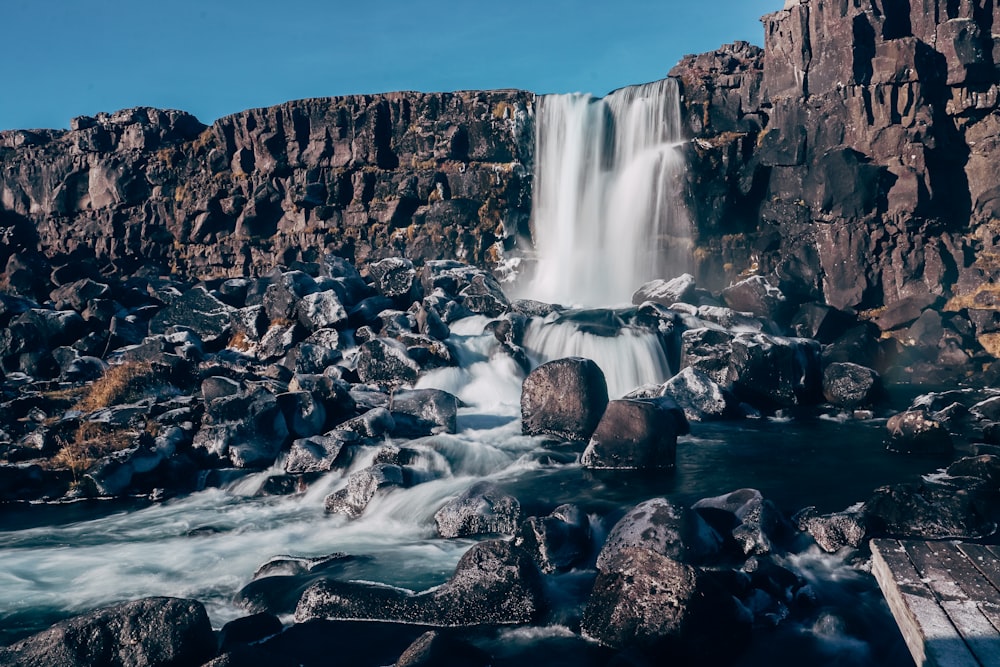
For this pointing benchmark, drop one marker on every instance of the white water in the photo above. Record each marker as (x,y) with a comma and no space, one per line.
(608,215)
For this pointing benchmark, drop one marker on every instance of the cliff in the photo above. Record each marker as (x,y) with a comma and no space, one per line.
(420,175)
(852,158)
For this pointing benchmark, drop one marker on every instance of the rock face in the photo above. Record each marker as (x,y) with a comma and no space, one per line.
(366,177)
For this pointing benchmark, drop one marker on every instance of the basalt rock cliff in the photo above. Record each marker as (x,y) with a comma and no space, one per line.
(850,161)
(853,158)
(366,177)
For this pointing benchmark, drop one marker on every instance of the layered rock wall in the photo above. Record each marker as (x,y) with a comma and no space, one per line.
(853,156)
(365,177)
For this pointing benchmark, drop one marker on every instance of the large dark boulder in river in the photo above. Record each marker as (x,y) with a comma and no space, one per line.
(636,434)
(753,522)
(952,508)
(916,432)
(564,398)
(153,632)
(658,525)
(482,509)
(774,372)
(495,583)
(559,541)
(701,397)
(849,385)
(438,649)
(663,607)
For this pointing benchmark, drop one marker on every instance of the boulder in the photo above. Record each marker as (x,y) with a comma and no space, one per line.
(482,509)
(321,310)
(916,432)
(319,453)
(495,583)
(154,632)
(701,398)
(771,371)
(199,311)
(437,649)
(647,601)
(564,398)
(419,412)
(850,385)
(247,429)
(833,532)
(660,526)
(636,434)
(753,522)
(484,296)
(953,508)
(361,487)
(756,295)
(707,350)
(304,415)
(393,277)
(667,292)
(248,629)
(384,362)
(559,541)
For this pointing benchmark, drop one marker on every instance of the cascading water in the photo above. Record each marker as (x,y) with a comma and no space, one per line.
(608,215)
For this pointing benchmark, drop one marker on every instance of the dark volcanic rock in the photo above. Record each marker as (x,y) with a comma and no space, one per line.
(956,508)
(482,509)
(646,600)
(362,487)
(753,522)
(165,632)
(916,432)
(558,541)
(495,583)
(384,361)
(564,398)
(850,385)
(637,434)
(701,398)
(436,649)
(660,526)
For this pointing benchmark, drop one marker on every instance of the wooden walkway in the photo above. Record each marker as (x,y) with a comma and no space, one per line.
(945,597)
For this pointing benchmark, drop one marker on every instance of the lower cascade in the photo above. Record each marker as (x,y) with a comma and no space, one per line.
(608,213)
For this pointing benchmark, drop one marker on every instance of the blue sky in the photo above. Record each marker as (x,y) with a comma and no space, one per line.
(65,58)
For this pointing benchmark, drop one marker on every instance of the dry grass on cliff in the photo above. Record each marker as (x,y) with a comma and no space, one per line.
(124,383)
(91,442)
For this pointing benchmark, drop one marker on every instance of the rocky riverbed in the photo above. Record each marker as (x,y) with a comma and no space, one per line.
(344,391)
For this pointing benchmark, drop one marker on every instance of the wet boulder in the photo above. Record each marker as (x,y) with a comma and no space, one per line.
(850,385)
(559,541)
(278,584)
(361,487)
(984,466)
(564,398)
(248,630)
(772,371)
(197,309)
(636,434)
(667,292)
(304,415)
(646,601)
(701,398)
(384,361)
(420,412)
(373,423)
(76,295)
(916,432)
(952,508)
(833,532)
(482,509)
(319,453)
(753,523)
(437,649)
(484,296)
(153,632)
(658,525)
(282,294)
(248,429)
(707,350)
(321,310)
(756,295)
(494,583)
(394,277)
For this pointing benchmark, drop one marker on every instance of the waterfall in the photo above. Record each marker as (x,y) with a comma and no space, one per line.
(607,213)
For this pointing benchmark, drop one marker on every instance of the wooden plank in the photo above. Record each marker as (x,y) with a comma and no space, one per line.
(960,588)
(970,578)
(986,560)
(929,633)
